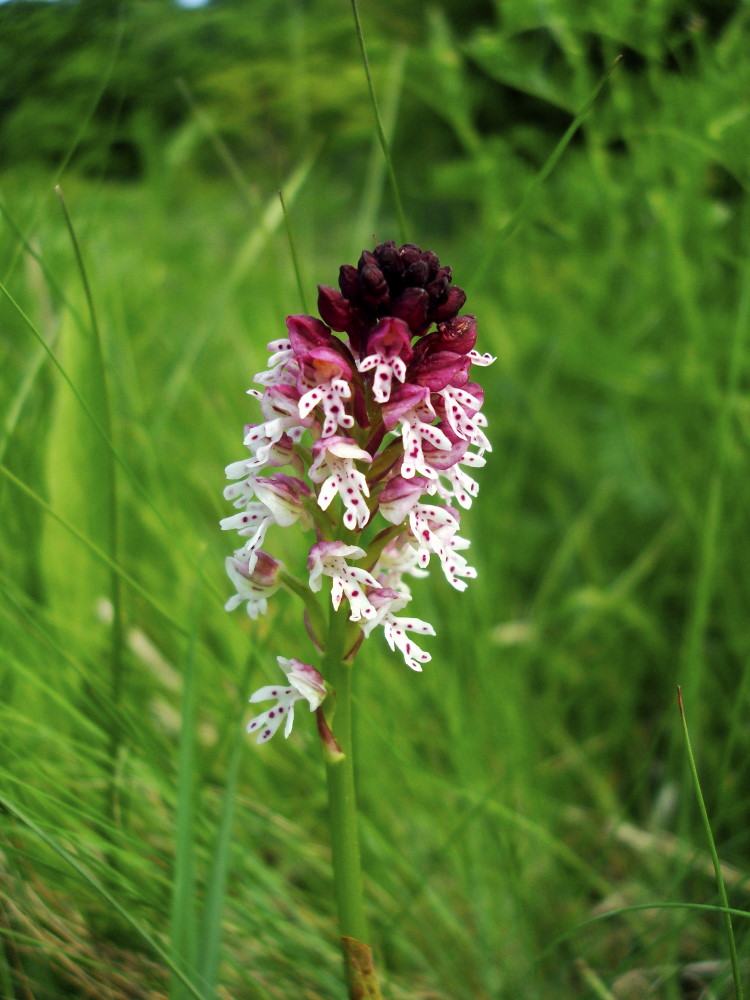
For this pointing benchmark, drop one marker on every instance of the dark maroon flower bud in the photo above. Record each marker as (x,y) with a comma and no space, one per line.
(334,308)
(458,334)
(404,282)
(438,291)
(373,287)
(412,306)
(417,273)
(388,258)
(349,281)
(433,263)
(409,253)
(453,303)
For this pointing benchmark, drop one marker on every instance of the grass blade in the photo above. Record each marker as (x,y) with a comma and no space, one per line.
(714,854)
(105,483)
(403,228)
(293,251)
(183,924)
(94,548)
(551,162)
(12,809)
(210,938)
(376,169)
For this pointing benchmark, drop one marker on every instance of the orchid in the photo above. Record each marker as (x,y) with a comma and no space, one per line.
(375,431)
(369,428)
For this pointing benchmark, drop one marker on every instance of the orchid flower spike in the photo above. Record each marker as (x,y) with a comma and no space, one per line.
(368,423)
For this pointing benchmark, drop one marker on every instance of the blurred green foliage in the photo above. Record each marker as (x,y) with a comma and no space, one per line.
(100,76)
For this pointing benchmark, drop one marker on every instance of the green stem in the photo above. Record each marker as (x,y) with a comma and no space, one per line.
(342,802)
(342,813)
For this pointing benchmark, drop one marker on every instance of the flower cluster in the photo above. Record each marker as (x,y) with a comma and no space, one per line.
(376,431)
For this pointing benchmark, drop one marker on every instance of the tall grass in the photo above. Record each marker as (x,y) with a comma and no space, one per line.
(531,785)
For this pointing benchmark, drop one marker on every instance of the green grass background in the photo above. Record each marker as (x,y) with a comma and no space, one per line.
(531,783)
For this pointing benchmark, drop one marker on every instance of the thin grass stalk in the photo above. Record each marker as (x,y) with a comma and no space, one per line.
(549,165)
(572,932)
(221,149)
(714,854)
(209,948)
(403,228)
(183,921)
(372,191)
(117,666)
(593,981)
(714,514)
(293,251)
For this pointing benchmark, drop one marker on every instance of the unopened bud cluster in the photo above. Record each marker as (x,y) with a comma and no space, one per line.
(375,431)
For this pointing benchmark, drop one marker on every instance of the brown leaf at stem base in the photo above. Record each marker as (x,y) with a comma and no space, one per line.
(360,970)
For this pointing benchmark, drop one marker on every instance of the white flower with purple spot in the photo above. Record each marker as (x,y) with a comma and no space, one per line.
(252,523)
(304,682)
(329,559)
(331,397)
(386,602)
(434,530)
(333,466)
(389,349)
(277,373)
(462,413)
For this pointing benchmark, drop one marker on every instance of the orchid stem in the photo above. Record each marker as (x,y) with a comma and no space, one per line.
(342,813)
